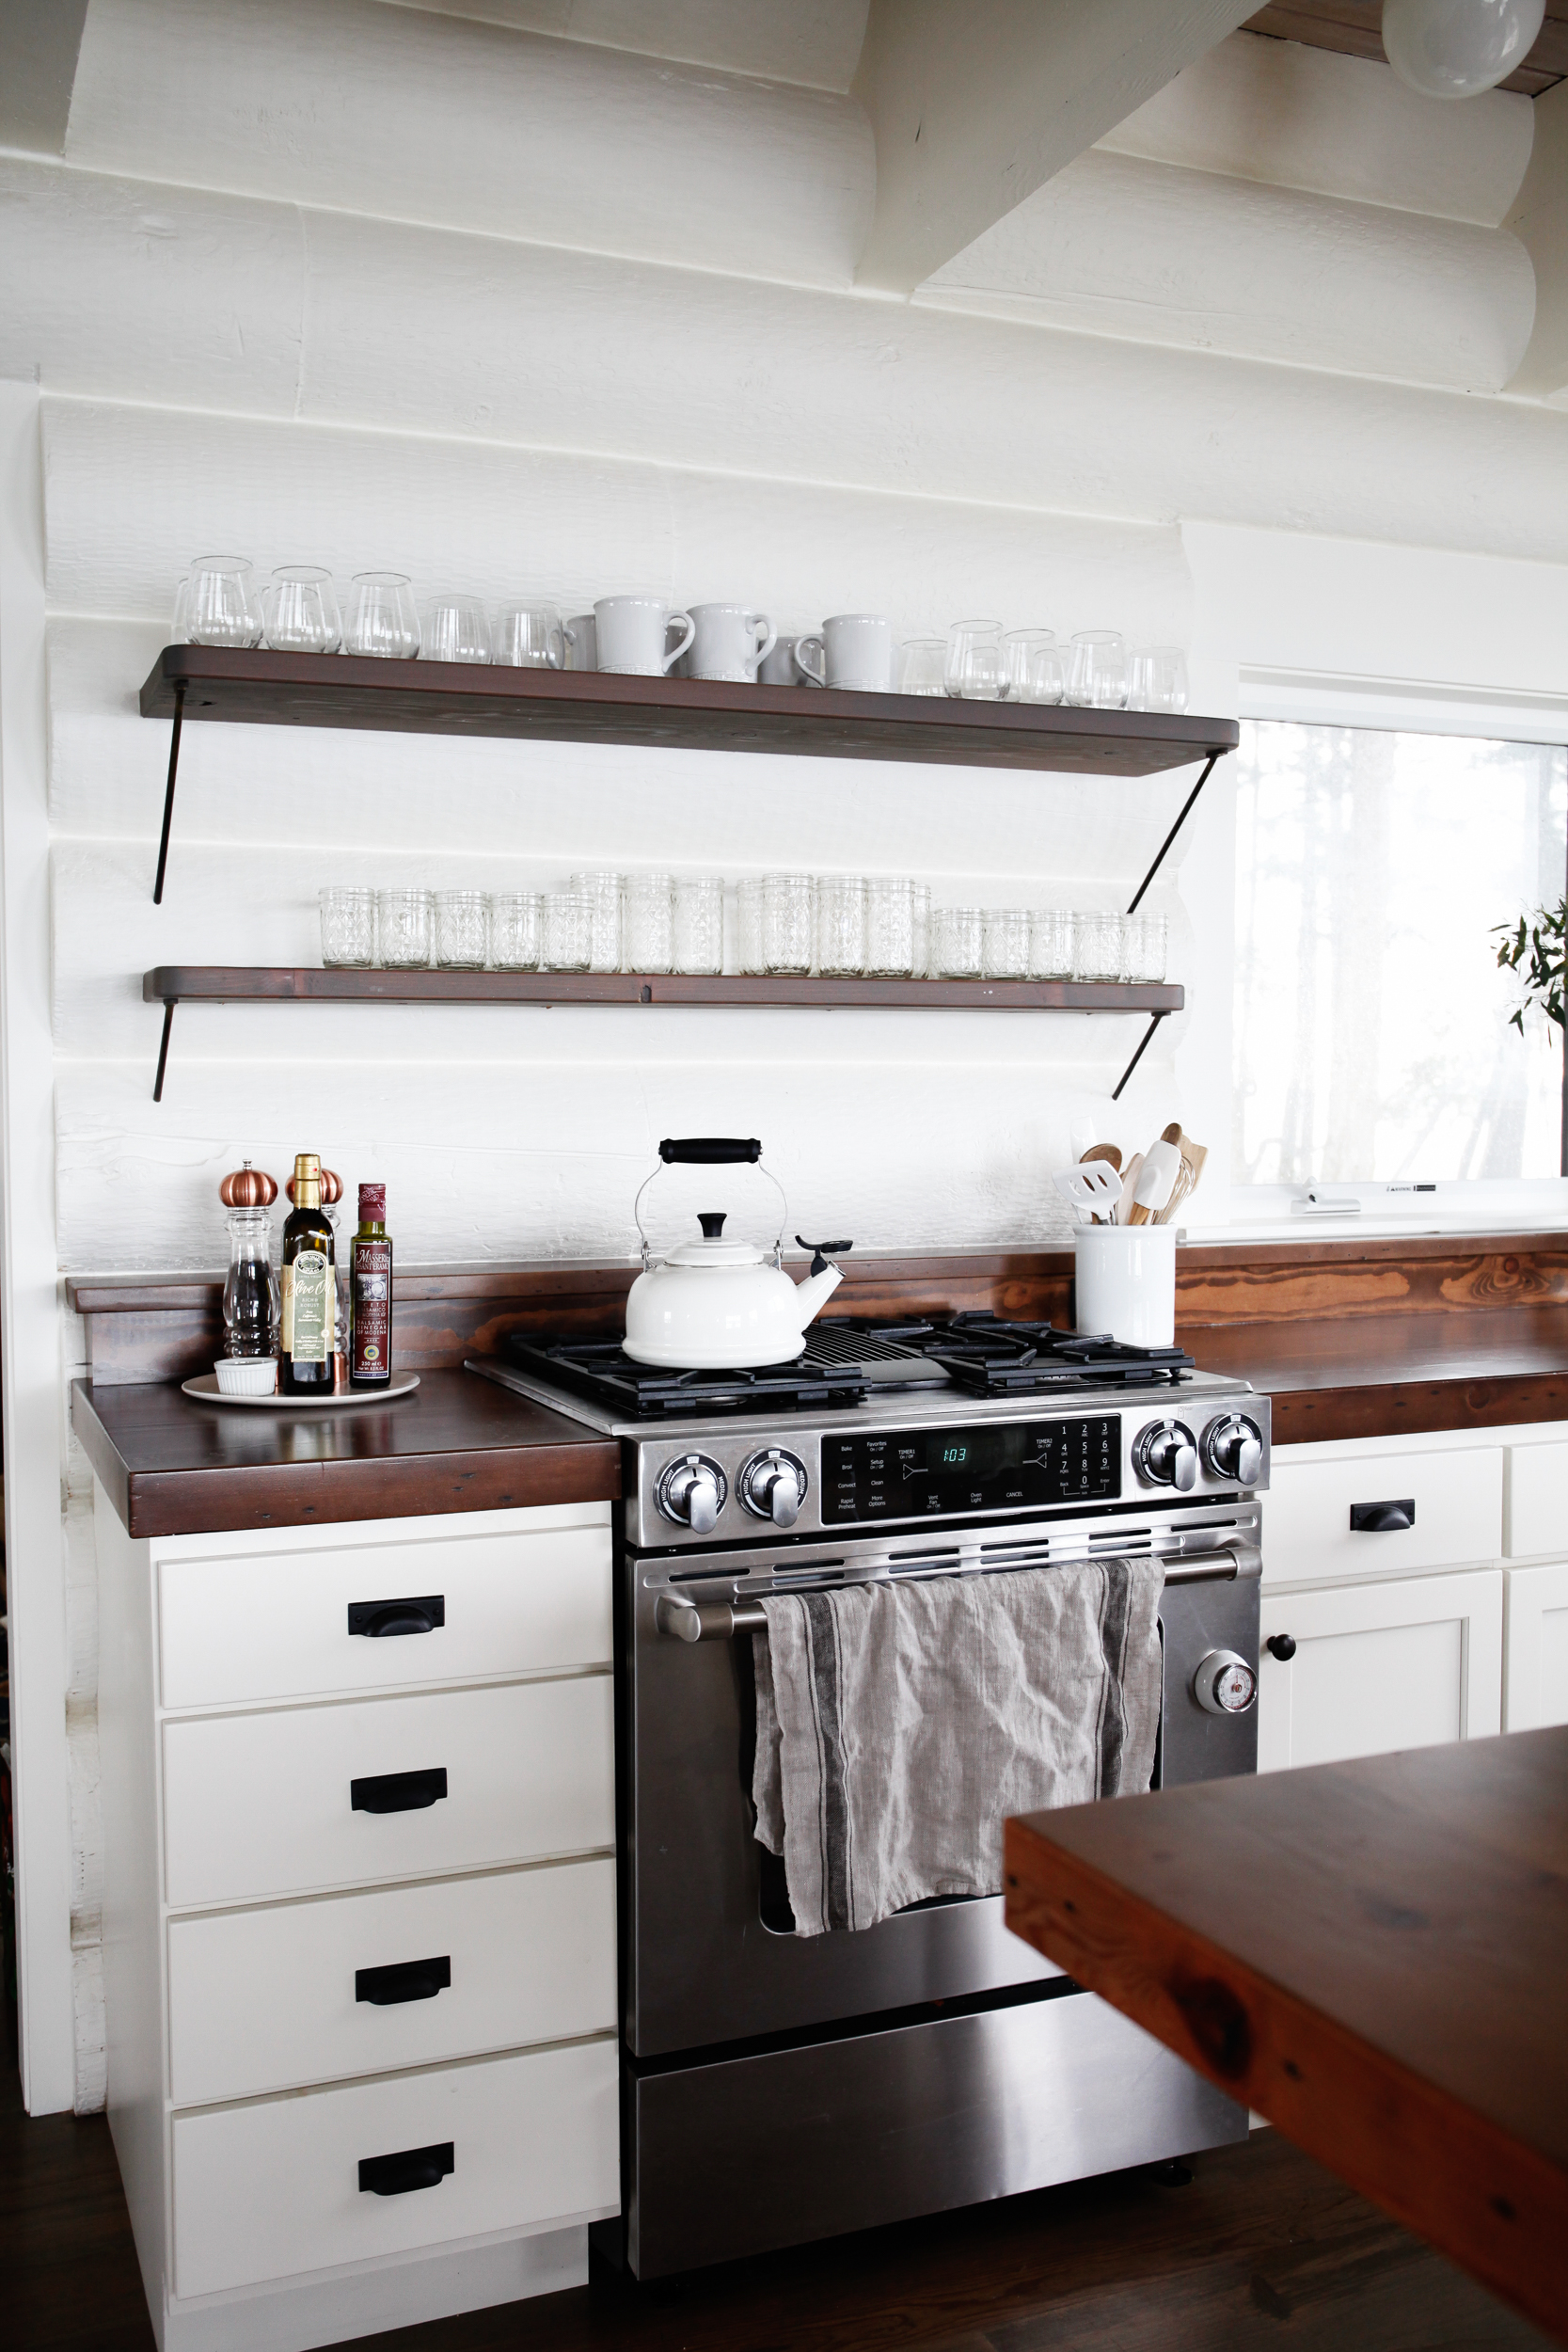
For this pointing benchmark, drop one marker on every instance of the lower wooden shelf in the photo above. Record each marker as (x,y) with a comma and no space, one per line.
(171,985)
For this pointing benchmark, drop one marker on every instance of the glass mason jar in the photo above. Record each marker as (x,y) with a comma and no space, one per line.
(460,928)
(569,932)
(348,926)
(786,922)
(955,937)
(840,924)
(252,1301)
(889,927)
(699,923)
(606,894)
(1051,944)
(404,919)
(748,922)
(1006,953)
(1097,947)
(515,929)
(649,932)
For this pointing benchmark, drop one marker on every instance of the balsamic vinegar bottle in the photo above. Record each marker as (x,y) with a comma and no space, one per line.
(371,1293)
(310,1289)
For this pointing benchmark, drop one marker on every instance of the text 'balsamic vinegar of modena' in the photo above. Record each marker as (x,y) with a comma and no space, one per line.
(310,1288)
(370,1356)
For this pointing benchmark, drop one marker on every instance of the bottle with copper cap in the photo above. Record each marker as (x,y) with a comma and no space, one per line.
(305,1366)
(371,1293)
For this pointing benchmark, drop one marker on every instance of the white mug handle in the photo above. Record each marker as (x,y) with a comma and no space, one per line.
(675,621)
(765,635)
(555,648)
(817,678)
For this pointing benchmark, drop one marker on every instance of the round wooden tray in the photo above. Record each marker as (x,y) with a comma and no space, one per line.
(204,1388)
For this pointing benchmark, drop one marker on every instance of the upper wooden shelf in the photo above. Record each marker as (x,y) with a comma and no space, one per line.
(576,706)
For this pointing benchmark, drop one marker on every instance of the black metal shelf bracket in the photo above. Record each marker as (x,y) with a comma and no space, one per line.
(1154,1021)
(170,1003)
(168,813)
(1164,845)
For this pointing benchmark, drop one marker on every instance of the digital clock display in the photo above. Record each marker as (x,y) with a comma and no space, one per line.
(922,1473)
(973,1453)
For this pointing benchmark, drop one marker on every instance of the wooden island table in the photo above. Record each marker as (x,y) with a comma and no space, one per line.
(1373,1955)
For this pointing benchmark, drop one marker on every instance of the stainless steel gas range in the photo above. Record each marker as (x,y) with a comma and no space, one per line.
(777,2089)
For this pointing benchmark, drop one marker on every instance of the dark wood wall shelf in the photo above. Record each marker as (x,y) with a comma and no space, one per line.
(171,985)
(192,682)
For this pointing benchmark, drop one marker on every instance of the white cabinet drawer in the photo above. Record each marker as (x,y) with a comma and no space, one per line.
(1380,1666)
(272,2190)
(1537,1675)
(1306,1516)
(262,1804)
(277,1625)
(1537,1506)
(264,2000)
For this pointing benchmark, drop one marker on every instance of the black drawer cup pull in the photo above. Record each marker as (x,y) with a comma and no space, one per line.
(1382,1518)
(398,1792)
(377,1619)
(402,1980)
(409,2169)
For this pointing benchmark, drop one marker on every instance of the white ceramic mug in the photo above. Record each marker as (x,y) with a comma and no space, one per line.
(779,667)
(855,650)
(1125,1277)
(729,641)
(631,634)
(581,651)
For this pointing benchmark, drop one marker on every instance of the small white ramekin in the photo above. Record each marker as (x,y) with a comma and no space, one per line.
(246,1375)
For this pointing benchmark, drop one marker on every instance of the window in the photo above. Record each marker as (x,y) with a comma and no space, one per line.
(1373,1038)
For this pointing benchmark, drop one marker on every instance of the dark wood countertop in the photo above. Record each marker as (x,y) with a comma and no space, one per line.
(1378,1375)
(1372,1954)
(173,1467)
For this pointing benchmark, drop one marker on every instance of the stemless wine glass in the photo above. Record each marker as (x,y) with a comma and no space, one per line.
(889,927)
(921,665)
(699,923)
(404,921)
(840,924)
(457,628)
(650,922)
(1005,955)
(1050,931)
(302,611)
(973,668)
(220,605)
(1097,947)
(348,926)
(957,934)
(603,891)
(568,932)
(1032,660)
(381,617)
(786,925)
(748,924)
(515,929)
(530,637)
(1097,679)
(460,927)
(1157,678)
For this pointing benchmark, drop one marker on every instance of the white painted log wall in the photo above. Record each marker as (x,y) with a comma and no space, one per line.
(533,316)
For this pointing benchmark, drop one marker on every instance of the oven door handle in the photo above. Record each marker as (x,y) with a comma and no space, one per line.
(684,1620)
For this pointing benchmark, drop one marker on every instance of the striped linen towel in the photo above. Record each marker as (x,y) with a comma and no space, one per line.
(899,1723)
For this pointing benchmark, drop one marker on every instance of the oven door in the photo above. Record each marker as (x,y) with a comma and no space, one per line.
(709,1952)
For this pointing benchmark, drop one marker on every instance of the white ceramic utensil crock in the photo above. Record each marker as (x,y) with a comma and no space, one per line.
(1125,1282)
(715,1305)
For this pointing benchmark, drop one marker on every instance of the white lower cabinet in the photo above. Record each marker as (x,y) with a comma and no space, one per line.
(1378,1666)
(1536,1680)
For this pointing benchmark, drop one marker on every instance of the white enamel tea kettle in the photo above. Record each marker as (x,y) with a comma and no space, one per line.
(715,1305)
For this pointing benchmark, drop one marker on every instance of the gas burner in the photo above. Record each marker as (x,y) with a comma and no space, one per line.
(993,1357)
(601,1369)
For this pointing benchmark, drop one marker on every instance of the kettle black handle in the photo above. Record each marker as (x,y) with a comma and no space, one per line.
(822,1251)
(709,1150)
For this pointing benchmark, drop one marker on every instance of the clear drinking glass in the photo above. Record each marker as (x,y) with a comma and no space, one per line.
(218,604)
(956,936)
(568,932)
(840,924)
(302,611)
(515,928)
(699,923)
(920,919)
(1050,944)
(650,922)
(1097,678)
(1097,947)
(1032,662)
(921,665)
(404,921)
(381,617)
(889,927)
(973,668)
(747,924)
(1157,678)
(786,924)
(1005,955)
(529,637)
(457,628)
(348,926)
(603,891)
(460,929)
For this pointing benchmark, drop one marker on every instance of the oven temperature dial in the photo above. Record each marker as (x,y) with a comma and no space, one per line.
(1225,1684)
(692,1491)
(772,1485)
(1233,1449)
(1165,1455)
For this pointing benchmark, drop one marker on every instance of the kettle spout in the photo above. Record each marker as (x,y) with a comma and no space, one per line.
(813,1294)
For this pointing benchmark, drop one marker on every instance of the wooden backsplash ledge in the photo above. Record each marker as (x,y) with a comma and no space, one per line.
(167,1326)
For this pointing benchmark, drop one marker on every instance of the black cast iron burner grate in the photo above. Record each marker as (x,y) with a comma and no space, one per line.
(601,1369)
(992,1357)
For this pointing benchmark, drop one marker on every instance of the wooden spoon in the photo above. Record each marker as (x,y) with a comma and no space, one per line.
(1106,1152)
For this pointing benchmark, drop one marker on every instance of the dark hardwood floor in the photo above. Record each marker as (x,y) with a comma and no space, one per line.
(1261,2248)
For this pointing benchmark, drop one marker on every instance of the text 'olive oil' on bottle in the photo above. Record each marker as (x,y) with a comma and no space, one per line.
(310,1288)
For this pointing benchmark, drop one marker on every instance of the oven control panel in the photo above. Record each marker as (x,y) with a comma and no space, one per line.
(922,1473)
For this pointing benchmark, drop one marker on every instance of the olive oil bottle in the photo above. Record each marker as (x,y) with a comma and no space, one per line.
(310,1288)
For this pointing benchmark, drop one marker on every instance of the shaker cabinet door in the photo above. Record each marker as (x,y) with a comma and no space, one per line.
(1537,1677)
(1377,1667)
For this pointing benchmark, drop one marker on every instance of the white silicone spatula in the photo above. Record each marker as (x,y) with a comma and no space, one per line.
(1158,1172)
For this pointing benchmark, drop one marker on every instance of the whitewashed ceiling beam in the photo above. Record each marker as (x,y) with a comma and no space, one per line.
(975,108)
(1539,221)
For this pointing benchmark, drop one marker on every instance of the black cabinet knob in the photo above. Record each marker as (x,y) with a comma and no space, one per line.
(1281,1645)
(378,1619)
(1382,1518)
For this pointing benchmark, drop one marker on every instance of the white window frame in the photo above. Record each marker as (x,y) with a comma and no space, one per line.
(1406,707)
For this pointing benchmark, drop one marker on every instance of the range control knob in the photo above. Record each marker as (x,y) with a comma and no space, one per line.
(1165,1455)
(772,1485)
(1233,1449)
(1225,1684)
(691,1491)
